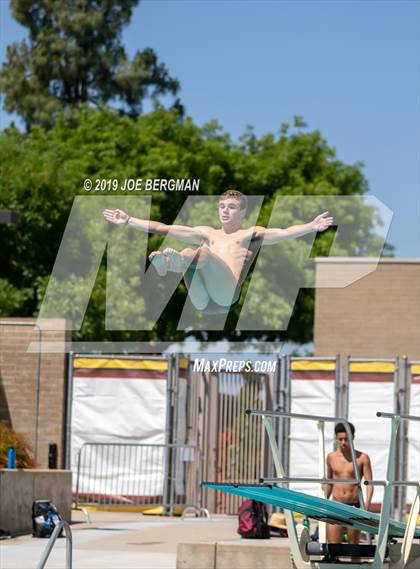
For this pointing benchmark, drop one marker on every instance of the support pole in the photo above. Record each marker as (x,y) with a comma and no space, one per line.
(322,471)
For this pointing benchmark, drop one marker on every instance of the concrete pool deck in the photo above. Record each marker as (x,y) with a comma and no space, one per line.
(130,540)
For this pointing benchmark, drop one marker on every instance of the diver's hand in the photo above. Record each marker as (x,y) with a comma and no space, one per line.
(322,222)
(117,216)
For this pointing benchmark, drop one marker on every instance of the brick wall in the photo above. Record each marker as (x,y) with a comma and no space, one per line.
(377,316)
(18,385)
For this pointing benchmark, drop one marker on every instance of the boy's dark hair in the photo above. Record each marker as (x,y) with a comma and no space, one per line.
(236,194)
(340,428)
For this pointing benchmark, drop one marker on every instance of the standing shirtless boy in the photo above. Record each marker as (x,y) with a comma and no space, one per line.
(216,269)
(340,465)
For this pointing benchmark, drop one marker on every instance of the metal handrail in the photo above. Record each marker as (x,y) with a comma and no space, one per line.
(51,542)
(305,480)
(402,417)
(389,484)
(268,413)
(393,483)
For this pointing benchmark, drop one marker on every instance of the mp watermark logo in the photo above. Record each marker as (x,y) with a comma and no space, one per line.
(267,272)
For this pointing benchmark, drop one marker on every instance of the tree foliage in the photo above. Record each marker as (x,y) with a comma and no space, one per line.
(43,171)
(74,55)
(10,438)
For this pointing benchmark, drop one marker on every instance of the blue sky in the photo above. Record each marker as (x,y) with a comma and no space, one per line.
(351,69)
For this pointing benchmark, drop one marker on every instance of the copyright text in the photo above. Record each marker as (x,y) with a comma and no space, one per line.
(142,185)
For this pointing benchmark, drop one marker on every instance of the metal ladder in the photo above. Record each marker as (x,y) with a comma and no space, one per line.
(51,542)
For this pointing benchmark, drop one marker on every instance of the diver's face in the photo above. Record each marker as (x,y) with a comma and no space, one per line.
(230,211)
(343,441)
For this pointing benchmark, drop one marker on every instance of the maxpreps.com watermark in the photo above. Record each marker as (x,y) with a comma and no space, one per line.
(234,366)
(142,185)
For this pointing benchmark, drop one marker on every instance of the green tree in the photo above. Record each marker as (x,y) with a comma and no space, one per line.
(74,55)
(10,438)
(43,170)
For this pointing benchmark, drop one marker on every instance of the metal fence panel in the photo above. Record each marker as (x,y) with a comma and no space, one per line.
(119,474)
(240,445)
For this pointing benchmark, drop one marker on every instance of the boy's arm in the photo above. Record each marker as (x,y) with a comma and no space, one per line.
(182,232)
(367,475)
(275,235)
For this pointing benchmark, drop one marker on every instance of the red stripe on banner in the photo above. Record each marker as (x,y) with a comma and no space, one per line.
(415,379)
(183,375)
(322,375)
(372,377)
(119,373)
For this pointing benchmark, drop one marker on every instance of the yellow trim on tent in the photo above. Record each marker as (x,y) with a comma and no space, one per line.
(372,367)
(308,365)
(183,363)
(415,369)
(94,363)
(145,510)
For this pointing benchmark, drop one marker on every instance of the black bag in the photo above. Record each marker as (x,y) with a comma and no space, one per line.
(45,517)
(253,518)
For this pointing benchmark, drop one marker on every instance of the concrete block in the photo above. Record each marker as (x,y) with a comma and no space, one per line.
(260,554)
(20,488)
(198,555)
(250,554)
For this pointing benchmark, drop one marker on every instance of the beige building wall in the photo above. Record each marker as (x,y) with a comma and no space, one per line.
(18,385)
(376,316)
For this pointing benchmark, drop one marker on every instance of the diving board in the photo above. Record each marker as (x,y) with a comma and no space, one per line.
(387,553)
(312,506)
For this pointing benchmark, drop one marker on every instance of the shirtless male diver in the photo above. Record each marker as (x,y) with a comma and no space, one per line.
(215,270)
(340,465)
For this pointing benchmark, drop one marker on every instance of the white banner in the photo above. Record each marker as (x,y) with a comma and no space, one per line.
(413,470)
(372,433)
(119,402)
(312,397)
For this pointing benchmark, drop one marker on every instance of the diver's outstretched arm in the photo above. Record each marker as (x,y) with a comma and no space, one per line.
(182,232)
(274,235)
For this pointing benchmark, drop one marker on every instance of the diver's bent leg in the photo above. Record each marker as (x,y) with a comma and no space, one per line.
(159,262)
(196,289)
(216,275)
(171,260)
(179,261)
(218,279)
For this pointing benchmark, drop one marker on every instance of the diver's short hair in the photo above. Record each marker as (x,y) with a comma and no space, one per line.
(340,428)
(237,195)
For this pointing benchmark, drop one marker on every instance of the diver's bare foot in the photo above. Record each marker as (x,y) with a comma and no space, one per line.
(159,261)
(176,263)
